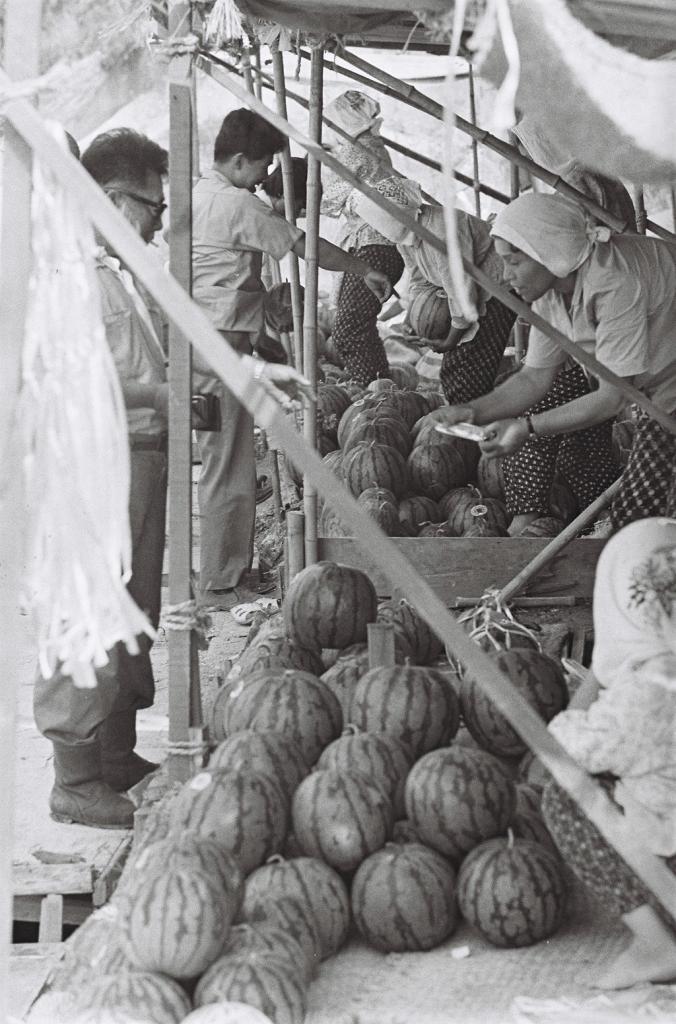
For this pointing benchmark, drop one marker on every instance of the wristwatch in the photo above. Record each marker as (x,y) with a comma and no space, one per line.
(529,423)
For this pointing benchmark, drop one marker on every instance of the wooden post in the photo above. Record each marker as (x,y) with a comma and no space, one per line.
(381,644)
(559,542)
(185,720)
(21,60)
(289,210)
(639,206)
(295,539)
(314,185)
(476,184)
(246,69)
(258,84)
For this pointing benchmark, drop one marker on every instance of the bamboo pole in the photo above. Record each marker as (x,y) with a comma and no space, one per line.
(401,574)
(185,717)
(314,186)
(413,97)
(256,65)
(23,20)
(289,210)
(520,328)
(630,392)
(558,543)
(475,144)
(380,638)
(427,161)
(295,538)
(639,206)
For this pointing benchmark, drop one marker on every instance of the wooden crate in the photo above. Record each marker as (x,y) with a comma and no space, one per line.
(465,567)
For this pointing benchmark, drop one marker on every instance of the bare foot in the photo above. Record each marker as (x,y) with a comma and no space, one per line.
(520,523)
(649,957)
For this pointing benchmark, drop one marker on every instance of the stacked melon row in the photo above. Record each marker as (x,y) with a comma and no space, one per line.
(335,799)
(411,479)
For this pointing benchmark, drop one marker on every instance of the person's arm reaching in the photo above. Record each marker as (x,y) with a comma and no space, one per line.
(331,257)
(517,393)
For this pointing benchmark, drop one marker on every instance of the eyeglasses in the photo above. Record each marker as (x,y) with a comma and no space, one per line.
(157,208)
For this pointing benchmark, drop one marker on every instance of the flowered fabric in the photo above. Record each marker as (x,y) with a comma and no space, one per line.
(630,730)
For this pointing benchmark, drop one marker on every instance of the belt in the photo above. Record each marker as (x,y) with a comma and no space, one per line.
(149,443)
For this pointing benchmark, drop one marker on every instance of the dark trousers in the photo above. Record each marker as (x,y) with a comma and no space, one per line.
(70,715)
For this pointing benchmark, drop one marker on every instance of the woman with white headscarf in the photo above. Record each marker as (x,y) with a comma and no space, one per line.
(621,727)
(472,348)
(355,332)
(617,296)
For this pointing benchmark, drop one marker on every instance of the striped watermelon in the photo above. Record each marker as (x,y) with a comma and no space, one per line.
(296,919)
(188,852)
(341,817)
(315,885)
(544,526)
(456,797)
(258,979)
(382,429)
(490,477)
(379,757)
(270,753)
(275,650)
(403,898)
(344,675)
(216,720)
(375,465)
(160,999)
(229,1012)
(330,605)
(268,937)
(297,704)
(434,399)
(362,409)
(435,530)
(404,832)
(264,623)
(416,510)
(334,461)
(245,812)
(410,405)
(332,401)
(381,506)
(456,505)
(433,469)
(415,705)
(528,824)
(423,642)
(468,450)
(486,521)
(538,678)
(429,314)
(176,922)
(513,891)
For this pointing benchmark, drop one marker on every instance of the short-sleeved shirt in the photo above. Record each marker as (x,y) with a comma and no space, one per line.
(232,229)
(135,334)
(623,312)
(476,246)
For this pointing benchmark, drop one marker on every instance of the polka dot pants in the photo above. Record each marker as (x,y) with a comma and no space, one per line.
(469,371)
(355,333)
(583,458)
(592,859)
(648,485)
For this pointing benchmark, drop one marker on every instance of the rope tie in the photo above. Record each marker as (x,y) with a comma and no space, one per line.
(175,46)
(188,615)
(188,748)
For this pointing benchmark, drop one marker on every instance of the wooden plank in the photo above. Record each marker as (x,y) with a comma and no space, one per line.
(106,881)
(455,566)
(183,662)
(77,908)
(41,879)
(21,60)
(51,919)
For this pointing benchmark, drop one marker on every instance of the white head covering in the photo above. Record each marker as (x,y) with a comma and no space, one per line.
(635,600)
(551,230)
(404,193)
(354,112)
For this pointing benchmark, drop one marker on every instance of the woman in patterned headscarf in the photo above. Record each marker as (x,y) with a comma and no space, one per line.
(621,727)
(472,348)
(355,332)
(615,298)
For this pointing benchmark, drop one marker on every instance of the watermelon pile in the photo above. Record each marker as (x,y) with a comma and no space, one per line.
(338,796)
(415,481)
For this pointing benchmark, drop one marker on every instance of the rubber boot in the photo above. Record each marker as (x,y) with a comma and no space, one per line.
(80,795)
(122,767)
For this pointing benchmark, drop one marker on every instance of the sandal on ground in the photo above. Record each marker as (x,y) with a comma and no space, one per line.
(263,489)
(244,613)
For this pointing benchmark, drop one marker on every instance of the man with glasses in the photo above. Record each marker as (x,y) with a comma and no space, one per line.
(93,732)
